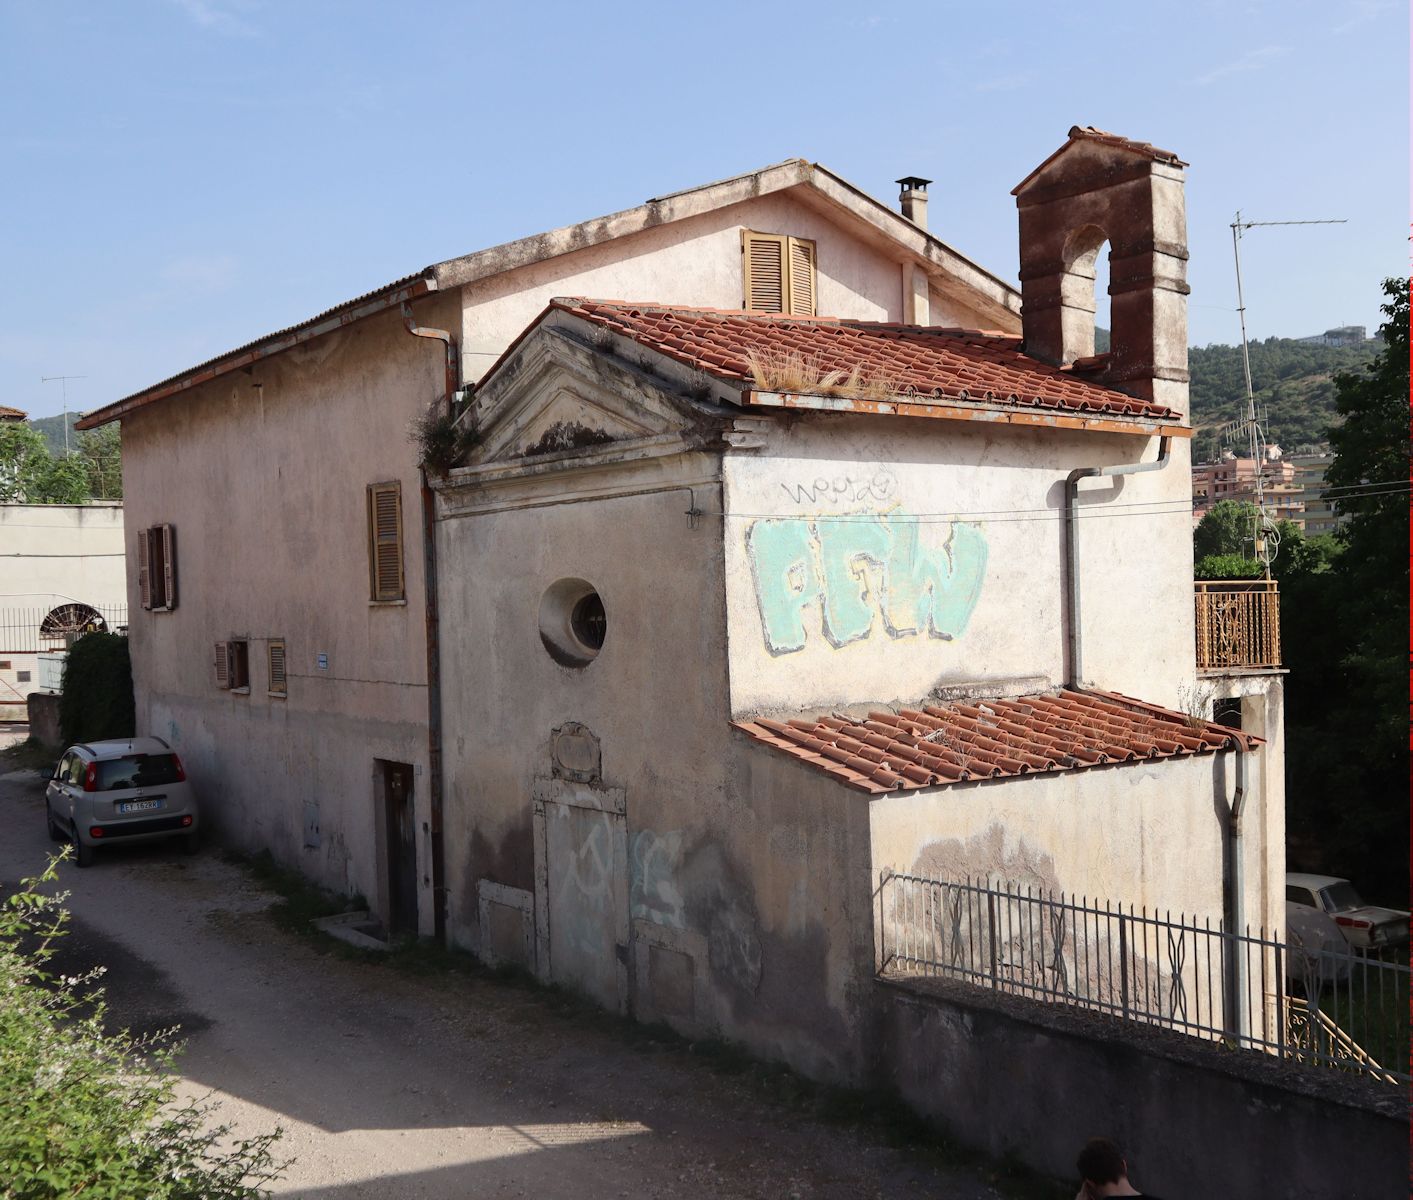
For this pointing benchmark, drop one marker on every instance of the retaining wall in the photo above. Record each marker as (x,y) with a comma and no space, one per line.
(1015,1077)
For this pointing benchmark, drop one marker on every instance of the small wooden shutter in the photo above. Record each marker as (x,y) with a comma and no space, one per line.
(765,268)
(385,540)
(276,658)
(169,565)
(223,665)
(144,581)
(802,285)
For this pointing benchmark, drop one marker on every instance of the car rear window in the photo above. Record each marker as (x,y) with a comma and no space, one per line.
(135,771)
(1340,897)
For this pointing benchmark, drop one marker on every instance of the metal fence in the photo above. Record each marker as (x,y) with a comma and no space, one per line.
(1326,1005)
(32,630)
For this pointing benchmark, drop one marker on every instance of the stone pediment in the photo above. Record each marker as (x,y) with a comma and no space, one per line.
(566,420)
(558,401)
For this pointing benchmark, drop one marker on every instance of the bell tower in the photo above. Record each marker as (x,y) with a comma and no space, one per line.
(1096,188)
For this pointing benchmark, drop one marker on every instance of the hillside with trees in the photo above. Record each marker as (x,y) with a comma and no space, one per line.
(1294,384)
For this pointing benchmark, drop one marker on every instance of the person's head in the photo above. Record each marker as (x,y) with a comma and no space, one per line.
(1101,1162)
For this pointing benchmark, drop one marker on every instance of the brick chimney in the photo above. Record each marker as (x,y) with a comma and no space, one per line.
(913,199)
(1096,188)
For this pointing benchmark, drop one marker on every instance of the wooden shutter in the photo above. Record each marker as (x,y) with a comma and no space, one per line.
(275,655)
(802,278)
(144,581)
(765,268)
(169,565)
(385,540)
(223,665)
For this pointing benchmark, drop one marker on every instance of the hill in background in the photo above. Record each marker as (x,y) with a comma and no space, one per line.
(1293,382)
(53,430)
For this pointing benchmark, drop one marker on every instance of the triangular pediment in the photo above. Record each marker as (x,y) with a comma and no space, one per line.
(558,401)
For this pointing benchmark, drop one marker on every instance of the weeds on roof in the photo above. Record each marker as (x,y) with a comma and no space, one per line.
(791,371)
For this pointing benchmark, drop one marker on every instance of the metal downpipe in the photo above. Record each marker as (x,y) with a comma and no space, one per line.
(1074,672)
(433,620)
(1234,883)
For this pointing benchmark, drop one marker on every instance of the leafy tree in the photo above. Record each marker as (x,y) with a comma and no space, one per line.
(97,700)
(29,475)
(100,450)
(93,1114)
(1226,529)
(1345,639)
(1227,566)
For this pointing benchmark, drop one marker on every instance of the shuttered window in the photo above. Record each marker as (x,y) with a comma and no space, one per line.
(275,658)
(385,541)
(232,662)
(778,273)
(157,567)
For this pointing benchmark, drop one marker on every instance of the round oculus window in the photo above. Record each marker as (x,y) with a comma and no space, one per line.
(573,623)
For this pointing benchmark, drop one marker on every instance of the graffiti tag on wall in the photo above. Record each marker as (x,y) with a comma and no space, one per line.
(856,569)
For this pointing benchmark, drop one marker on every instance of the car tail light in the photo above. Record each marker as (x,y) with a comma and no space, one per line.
(186,820)
(1354,923)
(90,778)
(95,831)
(181,771)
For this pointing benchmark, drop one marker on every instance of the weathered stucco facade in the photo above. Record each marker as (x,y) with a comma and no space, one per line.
(261,462)
(597,810)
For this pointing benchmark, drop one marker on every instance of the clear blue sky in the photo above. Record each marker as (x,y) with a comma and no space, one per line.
(181,176)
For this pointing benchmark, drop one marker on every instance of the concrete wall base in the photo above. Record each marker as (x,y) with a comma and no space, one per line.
(1015,1077)
(44,719)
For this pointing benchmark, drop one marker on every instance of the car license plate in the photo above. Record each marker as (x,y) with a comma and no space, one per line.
(132,806)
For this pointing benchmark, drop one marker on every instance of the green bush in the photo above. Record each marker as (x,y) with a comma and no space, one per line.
(1227,566)
(97,699)
(91,1114)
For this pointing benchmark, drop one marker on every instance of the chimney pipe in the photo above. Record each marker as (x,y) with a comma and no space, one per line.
(913,199)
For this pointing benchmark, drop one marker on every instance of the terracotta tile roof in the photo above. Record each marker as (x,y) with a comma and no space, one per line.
(921,362)
(1147,149)
(988,739)
(11,414)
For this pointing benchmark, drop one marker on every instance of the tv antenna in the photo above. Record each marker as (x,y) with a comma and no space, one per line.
(1265,535)
(63,381)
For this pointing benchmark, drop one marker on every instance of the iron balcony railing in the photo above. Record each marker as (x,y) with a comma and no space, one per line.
(1329,1005)
(1238,623)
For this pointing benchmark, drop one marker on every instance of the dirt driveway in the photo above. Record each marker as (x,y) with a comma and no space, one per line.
(391,1084)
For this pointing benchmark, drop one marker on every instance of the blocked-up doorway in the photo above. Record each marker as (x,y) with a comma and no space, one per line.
(581,889)
(393,783)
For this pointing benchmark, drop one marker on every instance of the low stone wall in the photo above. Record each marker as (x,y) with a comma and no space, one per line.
(1015,1077)
(44,719)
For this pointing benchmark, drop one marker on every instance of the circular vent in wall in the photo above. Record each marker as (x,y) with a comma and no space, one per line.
(573,622)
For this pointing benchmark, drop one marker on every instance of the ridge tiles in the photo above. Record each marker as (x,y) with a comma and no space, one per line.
(921,362)
(965,740)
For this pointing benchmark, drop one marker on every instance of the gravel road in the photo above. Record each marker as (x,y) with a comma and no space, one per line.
(393,1084)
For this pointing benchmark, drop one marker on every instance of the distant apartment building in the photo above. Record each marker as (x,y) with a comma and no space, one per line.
(1292,487)
(1320,514)
(1343,335)
(1232,478)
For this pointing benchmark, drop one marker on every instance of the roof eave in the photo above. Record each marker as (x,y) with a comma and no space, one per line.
(967,410)
(371,305)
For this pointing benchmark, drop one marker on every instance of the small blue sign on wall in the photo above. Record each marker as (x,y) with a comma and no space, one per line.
(323,662)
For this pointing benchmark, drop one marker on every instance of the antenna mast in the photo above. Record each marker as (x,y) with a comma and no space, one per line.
(1264,533)
(63,383)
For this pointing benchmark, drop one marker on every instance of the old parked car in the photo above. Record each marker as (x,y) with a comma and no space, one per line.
(1364,926)
(1316,953)
(132,790)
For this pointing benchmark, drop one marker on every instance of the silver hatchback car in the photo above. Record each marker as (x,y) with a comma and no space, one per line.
(133,790)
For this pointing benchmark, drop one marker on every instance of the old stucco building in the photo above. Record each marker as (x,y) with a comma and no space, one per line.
(729,612)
